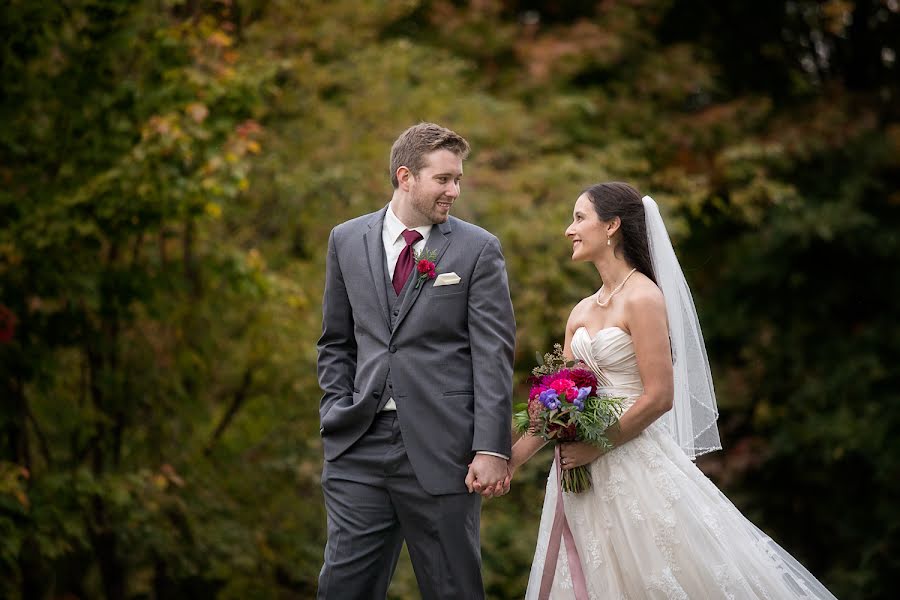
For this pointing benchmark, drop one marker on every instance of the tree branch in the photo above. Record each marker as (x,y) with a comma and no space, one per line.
(240,395)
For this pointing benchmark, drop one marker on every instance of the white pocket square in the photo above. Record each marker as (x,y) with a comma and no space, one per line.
(447,279)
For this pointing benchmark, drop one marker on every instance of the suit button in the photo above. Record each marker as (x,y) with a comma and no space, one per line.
(396,312)
(377,395)
(392,349)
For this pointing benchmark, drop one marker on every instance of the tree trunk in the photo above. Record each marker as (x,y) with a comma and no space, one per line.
(190,262)
(103,540)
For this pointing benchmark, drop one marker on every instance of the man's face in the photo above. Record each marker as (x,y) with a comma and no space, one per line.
(433,191)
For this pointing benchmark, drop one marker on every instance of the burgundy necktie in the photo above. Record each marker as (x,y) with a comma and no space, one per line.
(406,260)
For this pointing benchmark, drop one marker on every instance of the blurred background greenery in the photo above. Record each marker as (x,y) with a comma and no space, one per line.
(169,173)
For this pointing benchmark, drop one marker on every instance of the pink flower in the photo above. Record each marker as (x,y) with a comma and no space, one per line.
(536,390)
(534,411)
(561,385)
(565,388)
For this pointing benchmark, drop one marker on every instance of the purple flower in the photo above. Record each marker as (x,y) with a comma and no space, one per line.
(550,399)
(582,394)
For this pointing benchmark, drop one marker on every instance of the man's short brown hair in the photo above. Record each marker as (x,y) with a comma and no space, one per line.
(413,144)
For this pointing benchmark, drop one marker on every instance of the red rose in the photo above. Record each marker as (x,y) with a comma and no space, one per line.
(568,433)
(583,378)
(426,267)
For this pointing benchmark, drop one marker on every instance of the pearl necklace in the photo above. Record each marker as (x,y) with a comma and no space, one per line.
(614,292)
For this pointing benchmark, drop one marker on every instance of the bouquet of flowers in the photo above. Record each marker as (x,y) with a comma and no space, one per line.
(566,404)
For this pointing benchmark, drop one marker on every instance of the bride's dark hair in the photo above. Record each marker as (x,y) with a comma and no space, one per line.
(616,199)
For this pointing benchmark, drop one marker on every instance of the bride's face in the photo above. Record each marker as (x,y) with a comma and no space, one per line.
(587,232)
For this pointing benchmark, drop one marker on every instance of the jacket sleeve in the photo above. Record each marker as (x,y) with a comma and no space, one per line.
(337,345)
(492,336)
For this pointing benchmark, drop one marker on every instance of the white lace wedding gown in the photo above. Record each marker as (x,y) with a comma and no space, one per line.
(652,525)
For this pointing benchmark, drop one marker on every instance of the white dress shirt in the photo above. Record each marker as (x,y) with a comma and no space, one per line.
(392,236)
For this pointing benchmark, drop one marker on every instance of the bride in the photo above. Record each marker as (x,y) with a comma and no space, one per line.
(652,525)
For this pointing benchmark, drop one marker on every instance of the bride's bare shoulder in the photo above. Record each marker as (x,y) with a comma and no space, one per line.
(583,305)
(646,295)
(579,312)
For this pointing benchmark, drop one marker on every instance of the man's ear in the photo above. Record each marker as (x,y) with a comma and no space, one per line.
(404,178)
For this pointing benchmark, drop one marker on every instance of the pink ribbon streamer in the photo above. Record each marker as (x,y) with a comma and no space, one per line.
(560,530)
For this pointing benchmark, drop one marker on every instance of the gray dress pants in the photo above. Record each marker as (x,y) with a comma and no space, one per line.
(374,502)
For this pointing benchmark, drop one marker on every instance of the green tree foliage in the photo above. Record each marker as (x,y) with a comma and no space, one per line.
(170,172)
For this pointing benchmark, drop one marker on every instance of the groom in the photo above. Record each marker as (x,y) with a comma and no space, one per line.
(416,368)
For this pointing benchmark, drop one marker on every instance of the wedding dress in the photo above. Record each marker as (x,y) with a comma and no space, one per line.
(652,525)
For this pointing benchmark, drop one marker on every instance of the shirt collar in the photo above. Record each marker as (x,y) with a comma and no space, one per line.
(394,227)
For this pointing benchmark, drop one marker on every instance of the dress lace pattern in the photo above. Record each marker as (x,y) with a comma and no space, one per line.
(653,525)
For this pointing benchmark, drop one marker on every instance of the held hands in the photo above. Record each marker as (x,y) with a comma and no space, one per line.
(488,475)
(491,476)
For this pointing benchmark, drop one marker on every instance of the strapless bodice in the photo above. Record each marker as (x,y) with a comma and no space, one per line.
(610,354)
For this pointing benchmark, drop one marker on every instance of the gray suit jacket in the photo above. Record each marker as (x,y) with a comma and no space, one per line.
(449,352)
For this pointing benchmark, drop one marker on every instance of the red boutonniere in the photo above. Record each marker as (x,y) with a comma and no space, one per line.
(425,266)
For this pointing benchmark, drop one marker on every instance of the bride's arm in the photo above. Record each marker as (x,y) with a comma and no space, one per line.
(646,319)
(524,448)
(646,315)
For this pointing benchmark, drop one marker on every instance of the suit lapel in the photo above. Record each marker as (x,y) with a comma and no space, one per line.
(438,241)
(375,255)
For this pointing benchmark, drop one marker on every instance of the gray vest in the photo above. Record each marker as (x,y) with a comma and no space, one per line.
(394,301)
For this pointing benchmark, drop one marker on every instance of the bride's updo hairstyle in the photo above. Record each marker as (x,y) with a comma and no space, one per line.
(616,199)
